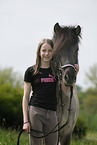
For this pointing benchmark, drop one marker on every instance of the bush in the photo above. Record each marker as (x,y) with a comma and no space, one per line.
(11,92)
(10,106)
(93,124)
(80,129)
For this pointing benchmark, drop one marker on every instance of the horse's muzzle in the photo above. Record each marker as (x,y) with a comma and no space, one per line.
(69,76)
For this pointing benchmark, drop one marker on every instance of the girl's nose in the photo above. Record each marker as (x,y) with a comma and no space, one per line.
(46,53)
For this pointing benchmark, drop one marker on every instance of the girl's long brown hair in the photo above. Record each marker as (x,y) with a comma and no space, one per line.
(38,58)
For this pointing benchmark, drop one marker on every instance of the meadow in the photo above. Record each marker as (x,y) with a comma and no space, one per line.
(9,137)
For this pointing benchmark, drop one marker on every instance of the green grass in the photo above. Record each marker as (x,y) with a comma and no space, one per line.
(9,137)
(90,139)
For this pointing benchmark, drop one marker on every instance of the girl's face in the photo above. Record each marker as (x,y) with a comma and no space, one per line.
(46,52)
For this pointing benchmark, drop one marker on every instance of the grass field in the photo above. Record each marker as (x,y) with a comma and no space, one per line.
(9,137)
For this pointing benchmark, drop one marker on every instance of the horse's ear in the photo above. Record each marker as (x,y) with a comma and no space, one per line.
(56,27)
(78,30)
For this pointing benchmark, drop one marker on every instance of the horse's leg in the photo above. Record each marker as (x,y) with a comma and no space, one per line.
(65,139)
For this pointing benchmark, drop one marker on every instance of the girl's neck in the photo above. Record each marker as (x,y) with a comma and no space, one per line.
(44,65)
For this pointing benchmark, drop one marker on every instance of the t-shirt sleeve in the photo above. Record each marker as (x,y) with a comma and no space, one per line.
(28,75)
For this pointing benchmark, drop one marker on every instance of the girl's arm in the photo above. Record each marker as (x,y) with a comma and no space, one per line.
(27,89)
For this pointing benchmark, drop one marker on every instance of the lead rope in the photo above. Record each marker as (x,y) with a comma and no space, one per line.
(21,131)
(71,88)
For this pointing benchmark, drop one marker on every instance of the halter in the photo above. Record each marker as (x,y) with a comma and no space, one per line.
(68,65)
(59,72)
(62,105)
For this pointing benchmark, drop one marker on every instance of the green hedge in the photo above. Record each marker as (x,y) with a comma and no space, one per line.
(80,129)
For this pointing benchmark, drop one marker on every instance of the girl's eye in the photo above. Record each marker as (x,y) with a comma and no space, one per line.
(50,50)
(44,50)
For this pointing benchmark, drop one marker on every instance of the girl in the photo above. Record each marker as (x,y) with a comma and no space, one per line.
(43,103)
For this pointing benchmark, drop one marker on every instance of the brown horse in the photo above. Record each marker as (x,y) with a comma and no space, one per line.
(66,40)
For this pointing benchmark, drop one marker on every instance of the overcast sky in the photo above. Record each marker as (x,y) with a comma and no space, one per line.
(23,23)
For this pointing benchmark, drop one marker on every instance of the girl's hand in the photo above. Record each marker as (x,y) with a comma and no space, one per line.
(26,127)
(76,68)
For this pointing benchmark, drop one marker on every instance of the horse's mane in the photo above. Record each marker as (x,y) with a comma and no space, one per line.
(65,37)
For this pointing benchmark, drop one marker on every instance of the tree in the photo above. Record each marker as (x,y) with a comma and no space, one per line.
(11,91)
(7,76)
(90,101)
(92,75)
(88,107)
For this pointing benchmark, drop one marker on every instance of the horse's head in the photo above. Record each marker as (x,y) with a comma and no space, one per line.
(65,54)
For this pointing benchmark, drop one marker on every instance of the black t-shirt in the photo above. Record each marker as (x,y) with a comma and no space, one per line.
(44,88)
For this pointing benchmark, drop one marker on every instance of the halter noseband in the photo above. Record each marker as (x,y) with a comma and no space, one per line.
(67,65)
